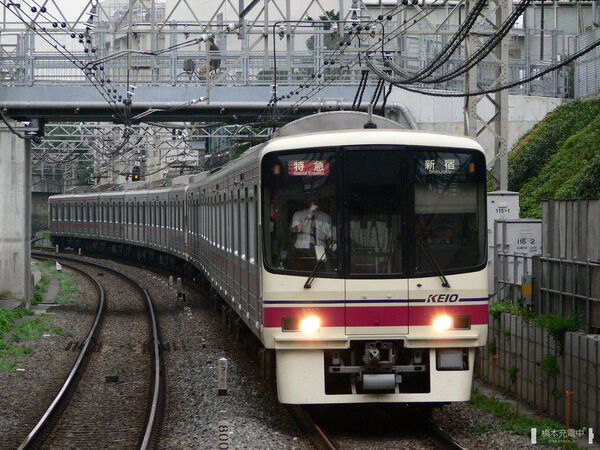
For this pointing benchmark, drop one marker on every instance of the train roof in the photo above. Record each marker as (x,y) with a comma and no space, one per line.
(372,137)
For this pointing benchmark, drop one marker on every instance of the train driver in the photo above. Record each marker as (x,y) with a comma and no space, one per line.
(312,227)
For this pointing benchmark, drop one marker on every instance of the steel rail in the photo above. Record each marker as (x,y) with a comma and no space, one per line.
(445,437)
(150,430)
(316,434)
(87,348)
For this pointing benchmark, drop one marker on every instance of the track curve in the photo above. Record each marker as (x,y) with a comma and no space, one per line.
(148,435)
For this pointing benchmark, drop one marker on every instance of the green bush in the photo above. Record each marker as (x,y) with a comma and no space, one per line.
(507,306)
(557,326)
(534,149)
(559,158)
(549,365)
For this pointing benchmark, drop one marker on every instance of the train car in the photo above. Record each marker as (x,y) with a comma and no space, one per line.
(357,257)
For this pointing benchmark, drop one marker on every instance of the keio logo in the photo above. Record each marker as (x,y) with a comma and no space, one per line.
(442,298)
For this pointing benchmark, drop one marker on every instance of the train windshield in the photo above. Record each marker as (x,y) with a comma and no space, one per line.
(449,211)
(397,211)
(375,204)
(299,211)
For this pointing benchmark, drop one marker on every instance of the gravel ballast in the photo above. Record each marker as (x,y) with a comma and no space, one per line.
(195,340)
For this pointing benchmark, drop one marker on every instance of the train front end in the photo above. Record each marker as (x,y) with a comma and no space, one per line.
(374,280)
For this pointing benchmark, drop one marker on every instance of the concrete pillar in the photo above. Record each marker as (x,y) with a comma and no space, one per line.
(15,216)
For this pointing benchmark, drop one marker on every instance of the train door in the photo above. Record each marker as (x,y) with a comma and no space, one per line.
(374,211)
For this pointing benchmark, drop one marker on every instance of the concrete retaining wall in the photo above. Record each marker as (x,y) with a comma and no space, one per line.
(522,346)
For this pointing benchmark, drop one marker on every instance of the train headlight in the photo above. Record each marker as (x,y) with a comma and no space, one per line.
(310,324)
(442,323)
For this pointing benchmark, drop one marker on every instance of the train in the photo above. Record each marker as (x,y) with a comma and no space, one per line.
(356,256)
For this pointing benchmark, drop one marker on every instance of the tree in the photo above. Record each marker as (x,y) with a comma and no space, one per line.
(331,41)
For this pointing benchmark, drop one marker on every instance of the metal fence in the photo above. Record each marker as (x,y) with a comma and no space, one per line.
(559,286)
(511,270)
(587,68)
(569,288)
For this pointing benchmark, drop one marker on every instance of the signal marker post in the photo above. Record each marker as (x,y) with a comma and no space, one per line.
(222,386)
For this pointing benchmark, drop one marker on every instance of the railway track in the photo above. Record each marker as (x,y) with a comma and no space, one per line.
(113,395)
(426,434)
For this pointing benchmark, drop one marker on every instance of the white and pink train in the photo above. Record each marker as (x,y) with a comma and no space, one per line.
(356,257)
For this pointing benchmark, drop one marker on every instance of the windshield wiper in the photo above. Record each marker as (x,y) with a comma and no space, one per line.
(317,267)
(433,262)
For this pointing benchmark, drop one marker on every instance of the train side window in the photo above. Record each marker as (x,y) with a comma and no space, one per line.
(209,219)
(216,220)
(169,215)
(220,222)
(232,227)
(223,222)
(217,212)
(244,225)
(252,227)
(213,221)
(236,224)
(204,211)
(214,233)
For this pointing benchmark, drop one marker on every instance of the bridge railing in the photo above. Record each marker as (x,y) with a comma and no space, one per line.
(254,65)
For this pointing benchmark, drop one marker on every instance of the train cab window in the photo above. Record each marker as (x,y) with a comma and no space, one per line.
(375,205)
(449,196)
(299,211)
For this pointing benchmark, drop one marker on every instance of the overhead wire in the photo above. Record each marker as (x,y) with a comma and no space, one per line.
(60,48)
(356,59)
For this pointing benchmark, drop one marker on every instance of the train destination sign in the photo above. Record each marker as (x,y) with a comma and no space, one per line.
(308,168)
